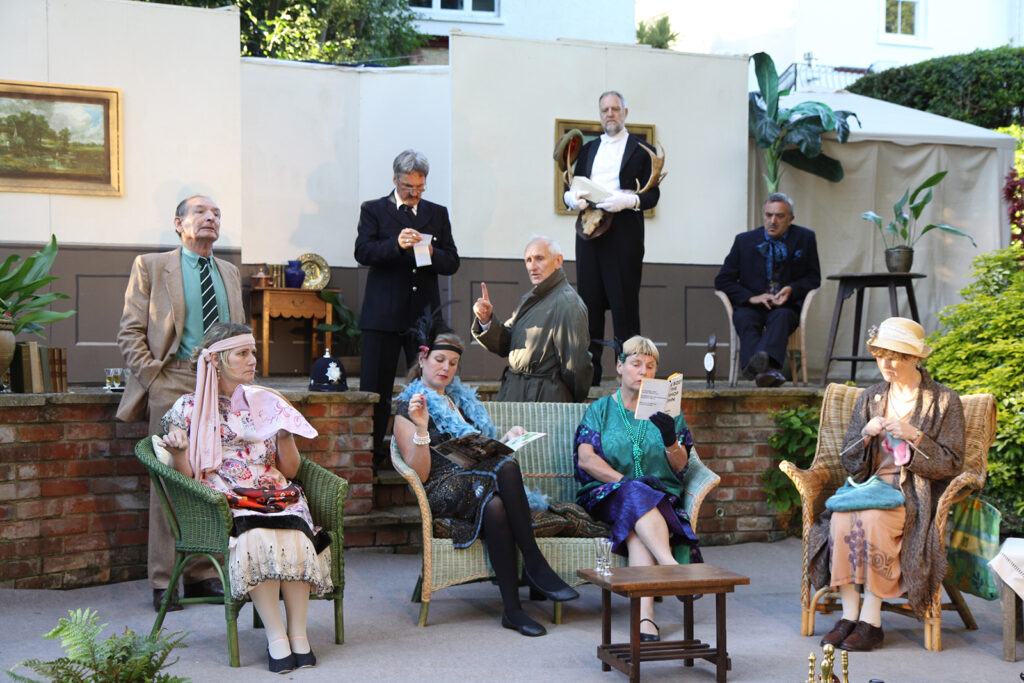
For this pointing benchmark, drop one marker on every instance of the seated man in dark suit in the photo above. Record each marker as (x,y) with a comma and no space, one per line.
(766,276)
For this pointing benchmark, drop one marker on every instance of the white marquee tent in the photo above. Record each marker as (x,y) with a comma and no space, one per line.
(894,149)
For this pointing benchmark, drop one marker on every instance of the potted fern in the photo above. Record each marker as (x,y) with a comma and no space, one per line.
(901,234)
(346,328)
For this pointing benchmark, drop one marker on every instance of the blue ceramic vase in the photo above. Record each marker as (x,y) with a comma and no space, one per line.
(294,275)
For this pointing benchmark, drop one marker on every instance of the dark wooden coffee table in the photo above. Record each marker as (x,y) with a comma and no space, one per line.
(639,582)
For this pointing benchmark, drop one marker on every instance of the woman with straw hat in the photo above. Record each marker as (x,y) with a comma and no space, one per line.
(908,431)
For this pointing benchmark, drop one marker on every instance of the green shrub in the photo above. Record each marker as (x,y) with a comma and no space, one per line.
(980,348)
(984,87)
(120,658)
(795,441)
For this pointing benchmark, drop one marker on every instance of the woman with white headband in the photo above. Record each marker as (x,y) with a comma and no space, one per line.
(237,438)
(907,434)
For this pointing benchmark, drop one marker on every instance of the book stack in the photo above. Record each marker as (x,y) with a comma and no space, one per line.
(39,369)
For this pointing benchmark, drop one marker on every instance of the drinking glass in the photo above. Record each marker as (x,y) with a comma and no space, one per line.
(604,550)
(114,378)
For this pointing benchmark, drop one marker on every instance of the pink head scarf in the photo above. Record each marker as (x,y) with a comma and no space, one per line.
(269,412)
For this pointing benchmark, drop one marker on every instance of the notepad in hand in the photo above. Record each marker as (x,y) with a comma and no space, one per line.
(659,395)
(589,190)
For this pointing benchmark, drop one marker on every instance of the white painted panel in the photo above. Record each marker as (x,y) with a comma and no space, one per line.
(178,71)
(502,140)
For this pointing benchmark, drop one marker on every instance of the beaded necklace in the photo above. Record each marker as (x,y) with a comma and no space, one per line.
(636,438)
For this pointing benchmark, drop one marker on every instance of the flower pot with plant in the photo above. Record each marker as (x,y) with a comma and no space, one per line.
(346,327)
(901,234)
(22,307)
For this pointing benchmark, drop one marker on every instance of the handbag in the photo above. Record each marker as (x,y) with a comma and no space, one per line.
(873,494)
(973,541)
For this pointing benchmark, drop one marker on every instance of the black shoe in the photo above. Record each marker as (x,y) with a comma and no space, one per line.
(304,660)
(757,364)
(158,597)
(560,592)
(207,588)
(770,378)
(527,626)
(281,666)
(650,637)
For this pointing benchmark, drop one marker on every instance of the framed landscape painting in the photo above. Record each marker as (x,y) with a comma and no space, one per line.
(591,130)
(61,139)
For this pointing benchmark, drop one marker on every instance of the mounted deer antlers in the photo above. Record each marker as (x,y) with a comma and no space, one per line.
(657,163)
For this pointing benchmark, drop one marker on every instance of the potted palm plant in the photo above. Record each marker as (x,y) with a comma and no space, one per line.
(346,327)
(22,307)
(901,234)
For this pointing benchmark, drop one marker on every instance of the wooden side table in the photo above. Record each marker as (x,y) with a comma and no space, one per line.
(286,302)
(685,579)
(857,282)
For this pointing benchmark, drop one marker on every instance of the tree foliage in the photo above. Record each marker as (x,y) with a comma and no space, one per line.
(984,87)
(655,33)
(323,30)
(980,348)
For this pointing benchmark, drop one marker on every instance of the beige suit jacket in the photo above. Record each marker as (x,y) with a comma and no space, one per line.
(152,322)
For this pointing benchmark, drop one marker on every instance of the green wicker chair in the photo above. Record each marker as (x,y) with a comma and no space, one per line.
(547,467)
(201,522)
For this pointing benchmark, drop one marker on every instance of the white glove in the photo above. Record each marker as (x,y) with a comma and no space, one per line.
(619,201)
(574,200)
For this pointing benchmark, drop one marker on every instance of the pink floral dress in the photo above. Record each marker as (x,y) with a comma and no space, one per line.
(284,545)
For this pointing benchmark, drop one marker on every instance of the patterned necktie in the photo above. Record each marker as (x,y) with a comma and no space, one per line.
(209,296)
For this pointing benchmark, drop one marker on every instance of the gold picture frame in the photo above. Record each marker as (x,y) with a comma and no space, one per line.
(61,139)
(591,130)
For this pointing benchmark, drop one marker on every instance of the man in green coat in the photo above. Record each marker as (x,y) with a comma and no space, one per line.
(546,340)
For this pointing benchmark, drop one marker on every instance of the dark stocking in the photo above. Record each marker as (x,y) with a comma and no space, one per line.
(501,549)
(517,512)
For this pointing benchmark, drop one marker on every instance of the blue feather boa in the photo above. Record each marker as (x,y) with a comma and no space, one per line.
(449,421)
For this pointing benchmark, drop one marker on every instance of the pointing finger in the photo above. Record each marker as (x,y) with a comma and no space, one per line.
(483,289)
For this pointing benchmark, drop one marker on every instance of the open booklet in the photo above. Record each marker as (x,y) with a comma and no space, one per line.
(589,190)
(470,449)
(659,395)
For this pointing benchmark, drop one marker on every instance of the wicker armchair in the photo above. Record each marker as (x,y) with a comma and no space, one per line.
(547,467)
(797,341)
(826,474)
(201,522)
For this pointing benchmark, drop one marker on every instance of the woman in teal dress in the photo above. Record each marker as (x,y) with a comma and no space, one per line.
(631,473)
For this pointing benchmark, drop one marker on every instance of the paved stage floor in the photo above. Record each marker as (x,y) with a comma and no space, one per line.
(464,641)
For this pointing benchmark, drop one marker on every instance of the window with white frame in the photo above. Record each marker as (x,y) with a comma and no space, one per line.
(457,9)
(902,18)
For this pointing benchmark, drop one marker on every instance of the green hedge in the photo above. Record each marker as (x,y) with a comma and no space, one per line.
(984,87)
(980,348)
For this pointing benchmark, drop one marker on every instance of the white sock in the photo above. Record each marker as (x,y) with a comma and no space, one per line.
(871,611)
(850,597)
(296,604)
(265,596)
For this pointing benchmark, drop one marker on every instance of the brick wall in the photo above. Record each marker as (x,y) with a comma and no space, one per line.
(74,501)
(730,431)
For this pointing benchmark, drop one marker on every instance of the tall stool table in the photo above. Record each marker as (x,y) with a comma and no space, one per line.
(684,579)
(267,303)
(857,282)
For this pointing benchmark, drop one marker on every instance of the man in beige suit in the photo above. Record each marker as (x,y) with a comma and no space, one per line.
(162,322)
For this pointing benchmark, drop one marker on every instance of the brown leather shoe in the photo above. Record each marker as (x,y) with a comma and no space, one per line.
(158,598)
(864,638)
(207,588)
(838,633)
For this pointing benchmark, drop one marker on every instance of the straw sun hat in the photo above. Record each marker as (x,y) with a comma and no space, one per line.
(899,334)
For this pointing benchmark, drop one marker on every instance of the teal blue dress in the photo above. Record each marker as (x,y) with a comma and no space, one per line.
(651,482)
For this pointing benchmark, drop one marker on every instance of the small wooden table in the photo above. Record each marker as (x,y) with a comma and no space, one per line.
(858,282)
(638,582)
(287,302)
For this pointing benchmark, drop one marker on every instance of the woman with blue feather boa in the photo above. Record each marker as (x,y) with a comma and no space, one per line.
(485,501)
